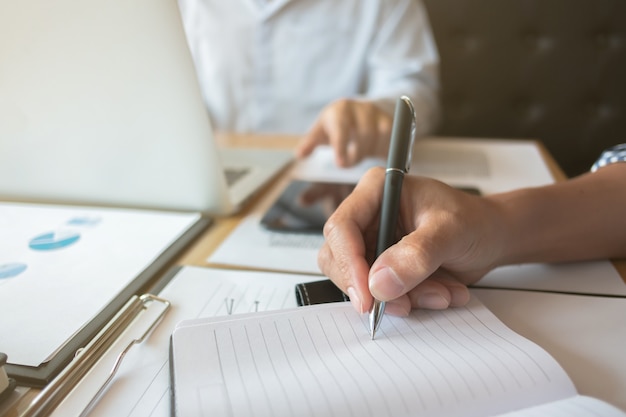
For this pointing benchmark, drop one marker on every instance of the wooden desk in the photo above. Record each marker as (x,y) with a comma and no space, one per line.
(197,253)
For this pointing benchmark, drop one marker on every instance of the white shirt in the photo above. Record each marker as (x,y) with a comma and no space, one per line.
(271,66)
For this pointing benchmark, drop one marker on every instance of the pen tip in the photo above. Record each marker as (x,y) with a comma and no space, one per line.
(376,315)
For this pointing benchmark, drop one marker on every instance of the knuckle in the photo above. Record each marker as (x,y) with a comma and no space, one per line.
(324,258)
(330,228)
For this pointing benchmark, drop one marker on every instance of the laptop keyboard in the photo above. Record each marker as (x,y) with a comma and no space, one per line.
(234,174)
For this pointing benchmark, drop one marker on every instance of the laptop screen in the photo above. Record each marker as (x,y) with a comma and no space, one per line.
(99,104)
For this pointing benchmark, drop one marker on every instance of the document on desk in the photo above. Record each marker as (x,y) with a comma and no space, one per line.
(593,277)
(320,360)
(141,385)
(61,266)
(585,334)
(268,250)
(489,165)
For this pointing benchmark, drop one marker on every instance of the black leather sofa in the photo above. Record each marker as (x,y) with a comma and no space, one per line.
(552,70)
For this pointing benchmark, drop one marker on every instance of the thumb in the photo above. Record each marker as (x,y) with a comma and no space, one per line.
(403,266)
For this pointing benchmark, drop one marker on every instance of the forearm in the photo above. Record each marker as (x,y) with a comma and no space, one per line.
(581,219)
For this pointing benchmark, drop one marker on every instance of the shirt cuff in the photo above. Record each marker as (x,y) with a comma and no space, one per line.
(612,155)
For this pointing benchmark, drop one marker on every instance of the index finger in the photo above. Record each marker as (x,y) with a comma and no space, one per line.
(316,136)
(338,122)
(350,236)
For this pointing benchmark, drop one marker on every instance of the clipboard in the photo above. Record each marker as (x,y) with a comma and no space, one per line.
(7,385)
(85,358)
(43,374)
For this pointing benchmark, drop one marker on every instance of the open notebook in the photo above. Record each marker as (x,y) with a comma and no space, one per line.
(100,105)
(319,360)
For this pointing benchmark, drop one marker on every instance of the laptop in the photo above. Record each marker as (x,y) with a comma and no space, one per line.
(100,105)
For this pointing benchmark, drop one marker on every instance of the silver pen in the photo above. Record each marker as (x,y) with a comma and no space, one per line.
(398,163)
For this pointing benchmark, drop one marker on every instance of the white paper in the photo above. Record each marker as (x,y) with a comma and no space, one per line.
(598,277)
(59,266)
(251,245)
(579,406)
(585,334)
(141,387)
(320,361)
(491,165)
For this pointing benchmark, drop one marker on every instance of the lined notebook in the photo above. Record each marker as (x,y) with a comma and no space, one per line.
(320,361)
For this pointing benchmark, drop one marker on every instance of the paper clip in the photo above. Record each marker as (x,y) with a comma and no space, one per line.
(52,395)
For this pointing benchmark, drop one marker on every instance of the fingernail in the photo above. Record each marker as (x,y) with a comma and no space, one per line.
(459,296)
(355,300)
(398,309)
(432,301)
(386,285)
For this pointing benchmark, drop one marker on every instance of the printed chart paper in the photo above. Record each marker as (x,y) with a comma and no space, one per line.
(61,265)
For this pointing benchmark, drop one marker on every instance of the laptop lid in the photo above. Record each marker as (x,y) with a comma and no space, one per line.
(99,104)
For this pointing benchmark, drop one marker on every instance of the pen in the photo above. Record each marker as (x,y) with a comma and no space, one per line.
(398,162)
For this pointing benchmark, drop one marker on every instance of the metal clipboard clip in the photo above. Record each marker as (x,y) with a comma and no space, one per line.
(52,395)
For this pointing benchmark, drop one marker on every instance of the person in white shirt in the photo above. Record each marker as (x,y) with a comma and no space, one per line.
(330,70)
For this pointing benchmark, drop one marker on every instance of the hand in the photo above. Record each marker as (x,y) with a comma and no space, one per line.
(448,239)
(354,129)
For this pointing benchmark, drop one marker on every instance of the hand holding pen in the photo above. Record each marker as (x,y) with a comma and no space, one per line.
(398,163)
(443,247)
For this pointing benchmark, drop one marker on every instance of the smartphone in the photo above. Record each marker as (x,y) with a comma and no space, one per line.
(304,206)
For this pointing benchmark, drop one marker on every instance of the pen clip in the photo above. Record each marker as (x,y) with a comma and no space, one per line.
(409,155)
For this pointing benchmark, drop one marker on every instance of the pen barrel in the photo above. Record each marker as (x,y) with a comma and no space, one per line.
(389,211)
(398,163)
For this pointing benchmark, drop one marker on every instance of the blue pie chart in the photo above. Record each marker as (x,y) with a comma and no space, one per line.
(11,269)
(53,240)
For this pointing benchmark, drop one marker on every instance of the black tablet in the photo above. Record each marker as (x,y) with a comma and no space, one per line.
(304,206)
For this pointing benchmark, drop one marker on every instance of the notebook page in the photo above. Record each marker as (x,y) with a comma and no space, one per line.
(579,406)
(320,361)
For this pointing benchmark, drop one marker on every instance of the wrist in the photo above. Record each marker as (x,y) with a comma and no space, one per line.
(510,228)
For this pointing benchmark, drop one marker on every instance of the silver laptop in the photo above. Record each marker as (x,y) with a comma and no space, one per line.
(100,104)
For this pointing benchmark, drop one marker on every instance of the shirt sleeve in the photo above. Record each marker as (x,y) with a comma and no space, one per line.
(403,60)
(612,155)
